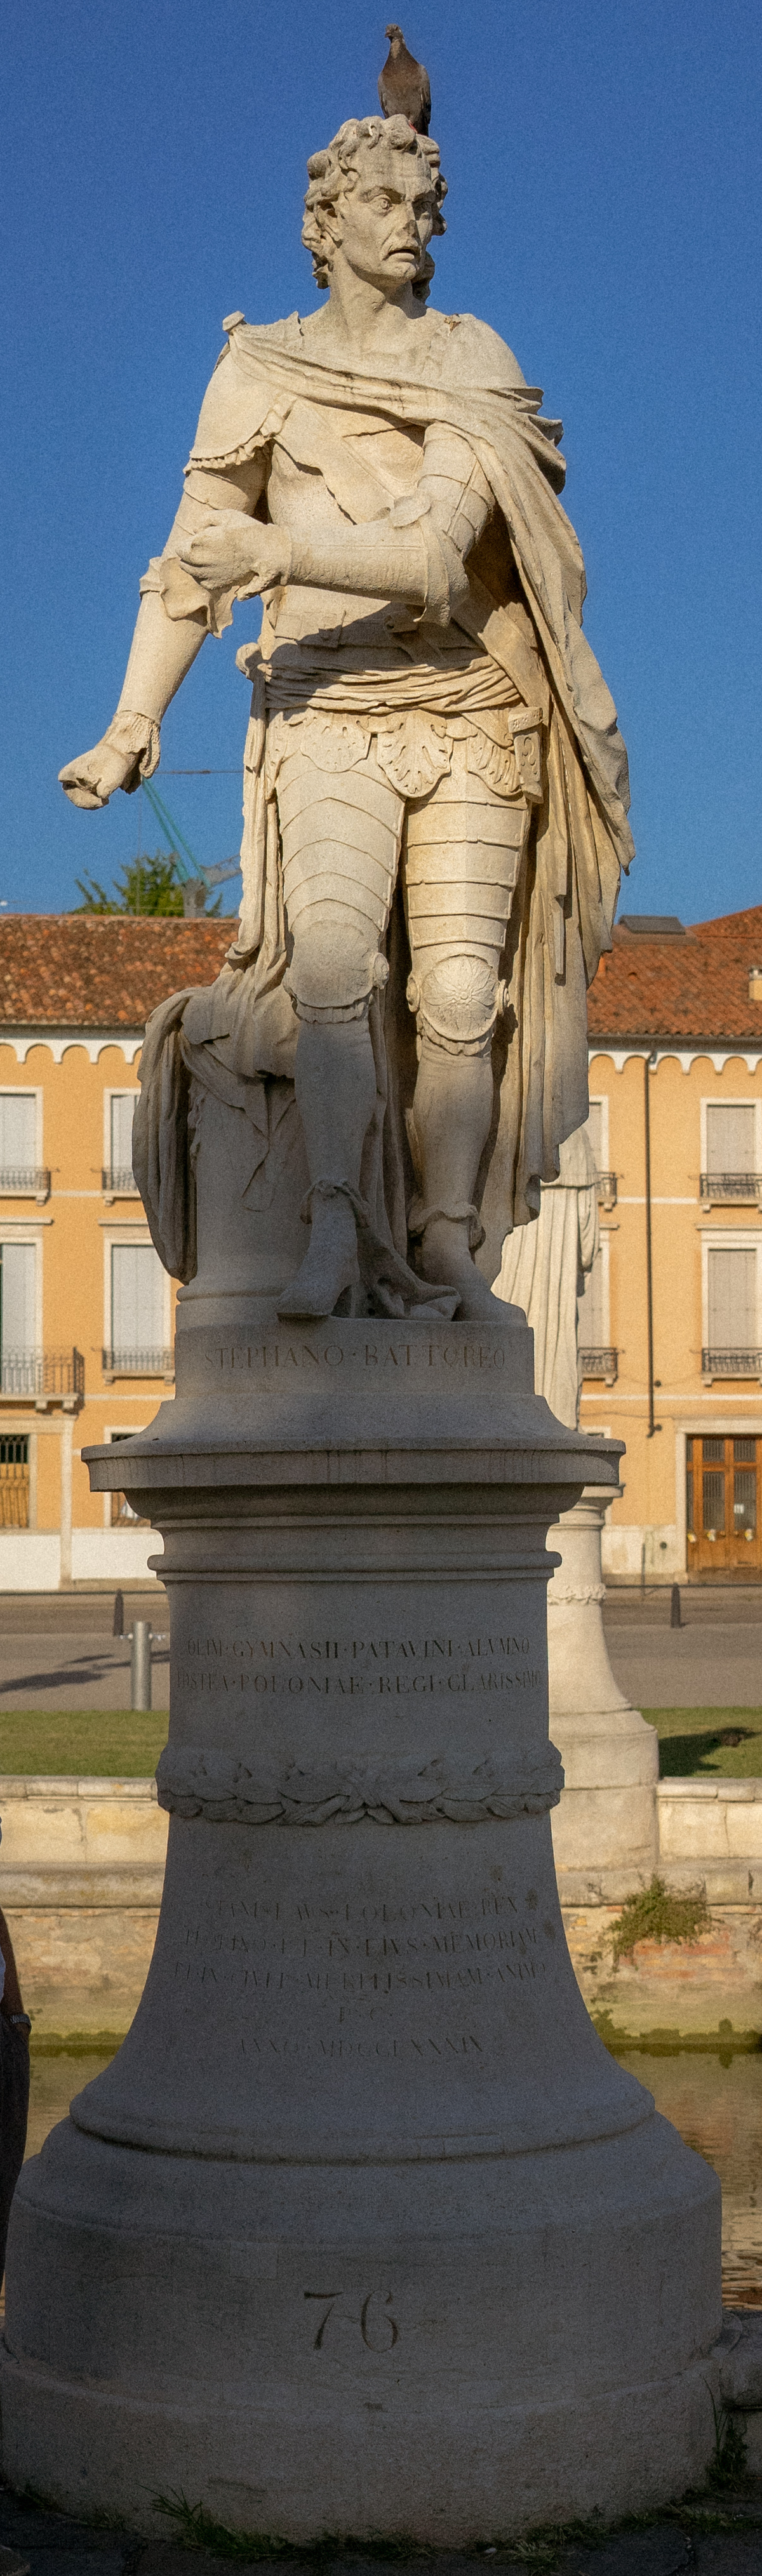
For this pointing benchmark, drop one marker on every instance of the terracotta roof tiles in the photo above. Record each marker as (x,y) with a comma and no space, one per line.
(100,970)
(108,971)
(695,989)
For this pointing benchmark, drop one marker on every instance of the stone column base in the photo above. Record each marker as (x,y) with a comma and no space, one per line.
(607,1819)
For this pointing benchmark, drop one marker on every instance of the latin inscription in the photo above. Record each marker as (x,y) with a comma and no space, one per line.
(357,1667)
(366,1955)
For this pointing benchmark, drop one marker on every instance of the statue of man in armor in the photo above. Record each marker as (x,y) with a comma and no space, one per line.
(435,787)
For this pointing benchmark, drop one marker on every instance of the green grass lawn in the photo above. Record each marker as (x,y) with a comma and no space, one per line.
(117,1744)
(693,1742)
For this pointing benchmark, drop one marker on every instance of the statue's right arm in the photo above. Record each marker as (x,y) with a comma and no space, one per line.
(163,648)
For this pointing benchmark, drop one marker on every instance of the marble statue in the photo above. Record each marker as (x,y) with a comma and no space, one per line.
(543,1270)
(435,787)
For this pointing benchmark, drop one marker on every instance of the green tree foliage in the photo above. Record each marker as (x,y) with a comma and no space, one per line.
(147,886)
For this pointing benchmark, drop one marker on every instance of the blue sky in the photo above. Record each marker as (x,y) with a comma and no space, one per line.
(603,214)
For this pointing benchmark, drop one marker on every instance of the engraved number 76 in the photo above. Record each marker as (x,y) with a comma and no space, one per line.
(388,2325)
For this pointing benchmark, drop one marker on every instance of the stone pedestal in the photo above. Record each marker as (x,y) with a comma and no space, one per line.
(363,2230)
(605,1830)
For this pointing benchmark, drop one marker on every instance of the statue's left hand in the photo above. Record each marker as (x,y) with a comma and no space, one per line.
(233,552)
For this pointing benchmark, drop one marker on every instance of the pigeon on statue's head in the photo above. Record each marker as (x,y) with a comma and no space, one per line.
(403,86)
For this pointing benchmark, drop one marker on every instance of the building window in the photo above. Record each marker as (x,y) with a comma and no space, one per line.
(118,1178)
(731,1174)
(138,1346)
(14,1484)
(20,1174)
(18,1314)
(731,1348)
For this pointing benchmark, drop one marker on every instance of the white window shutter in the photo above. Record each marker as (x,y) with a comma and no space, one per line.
(730,1136)
(18,1132)
(122,1114)
(732,1299)
(137,1298)
(17,1297)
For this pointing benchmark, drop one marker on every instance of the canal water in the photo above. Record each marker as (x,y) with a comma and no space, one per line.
(716,2107)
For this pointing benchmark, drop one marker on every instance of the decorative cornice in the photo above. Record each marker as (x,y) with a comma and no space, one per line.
(95,1042)
(194,1782)
(684,1051)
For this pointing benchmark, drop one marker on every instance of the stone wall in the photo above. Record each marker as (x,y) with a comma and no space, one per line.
(81,1875)
(81,1872)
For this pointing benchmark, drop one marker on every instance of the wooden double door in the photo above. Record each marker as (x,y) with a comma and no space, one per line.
(724,1505)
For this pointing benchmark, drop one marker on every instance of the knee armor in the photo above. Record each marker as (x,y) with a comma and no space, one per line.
(456,1000)
(333,972)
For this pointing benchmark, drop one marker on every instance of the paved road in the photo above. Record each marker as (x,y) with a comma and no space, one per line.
(74,1672)
(713,1661)
(57,1651)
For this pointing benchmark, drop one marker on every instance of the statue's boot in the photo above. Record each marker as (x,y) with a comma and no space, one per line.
(336,1098)
(452,1115)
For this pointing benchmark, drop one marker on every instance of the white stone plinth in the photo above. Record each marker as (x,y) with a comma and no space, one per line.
(363,2230)
(607,1820)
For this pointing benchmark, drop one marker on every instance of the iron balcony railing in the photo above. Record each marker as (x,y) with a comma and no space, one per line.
(731,1363)
(599,1363)
(119,1182)
(606,1187)
(731,1189)
(24,1181)
(147,1363)
(49,1377)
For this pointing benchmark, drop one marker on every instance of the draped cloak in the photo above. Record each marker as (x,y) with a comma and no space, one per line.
(240,1034)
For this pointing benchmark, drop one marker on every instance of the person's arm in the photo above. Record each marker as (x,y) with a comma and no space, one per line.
(10,2000)
(164,645)
(416,552)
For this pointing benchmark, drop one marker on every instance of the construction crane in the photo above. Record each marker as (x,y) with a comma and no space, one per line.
(195,879)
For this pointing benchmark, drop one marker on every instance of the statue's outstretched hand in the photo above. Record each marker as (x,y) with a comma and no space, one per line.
(128,751)
(234,552)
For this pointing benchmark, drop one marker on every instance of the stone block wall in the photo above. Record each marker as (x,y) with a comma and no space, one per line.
(82,1866)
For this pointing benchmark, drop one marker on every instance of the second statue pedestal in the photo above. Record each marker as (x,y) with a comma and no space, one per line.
(363,2230)
(605,1830)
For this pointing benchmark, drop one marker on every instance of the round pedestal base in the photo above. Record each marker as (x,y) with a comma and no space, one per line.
(446,2351)
(363,2230)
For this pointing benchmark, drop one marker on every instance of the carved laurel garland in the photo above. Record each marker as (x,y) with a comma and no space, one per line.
(195,1782)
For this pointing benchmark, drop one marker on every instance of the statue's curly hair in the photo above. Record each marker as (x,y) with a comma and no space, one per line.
(334,170)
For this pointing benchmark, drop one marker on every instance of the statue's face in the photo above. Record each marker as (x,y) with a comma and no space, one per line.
(385,222)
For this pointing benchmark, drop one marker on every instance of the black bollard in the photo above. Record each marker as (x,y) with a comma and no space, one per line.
(118,1627)
(675,1620)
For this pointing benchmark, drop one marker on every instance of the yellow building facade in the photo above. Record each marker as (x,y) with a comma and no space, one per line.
(87,1313)
(86,1310)
(676,1083)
